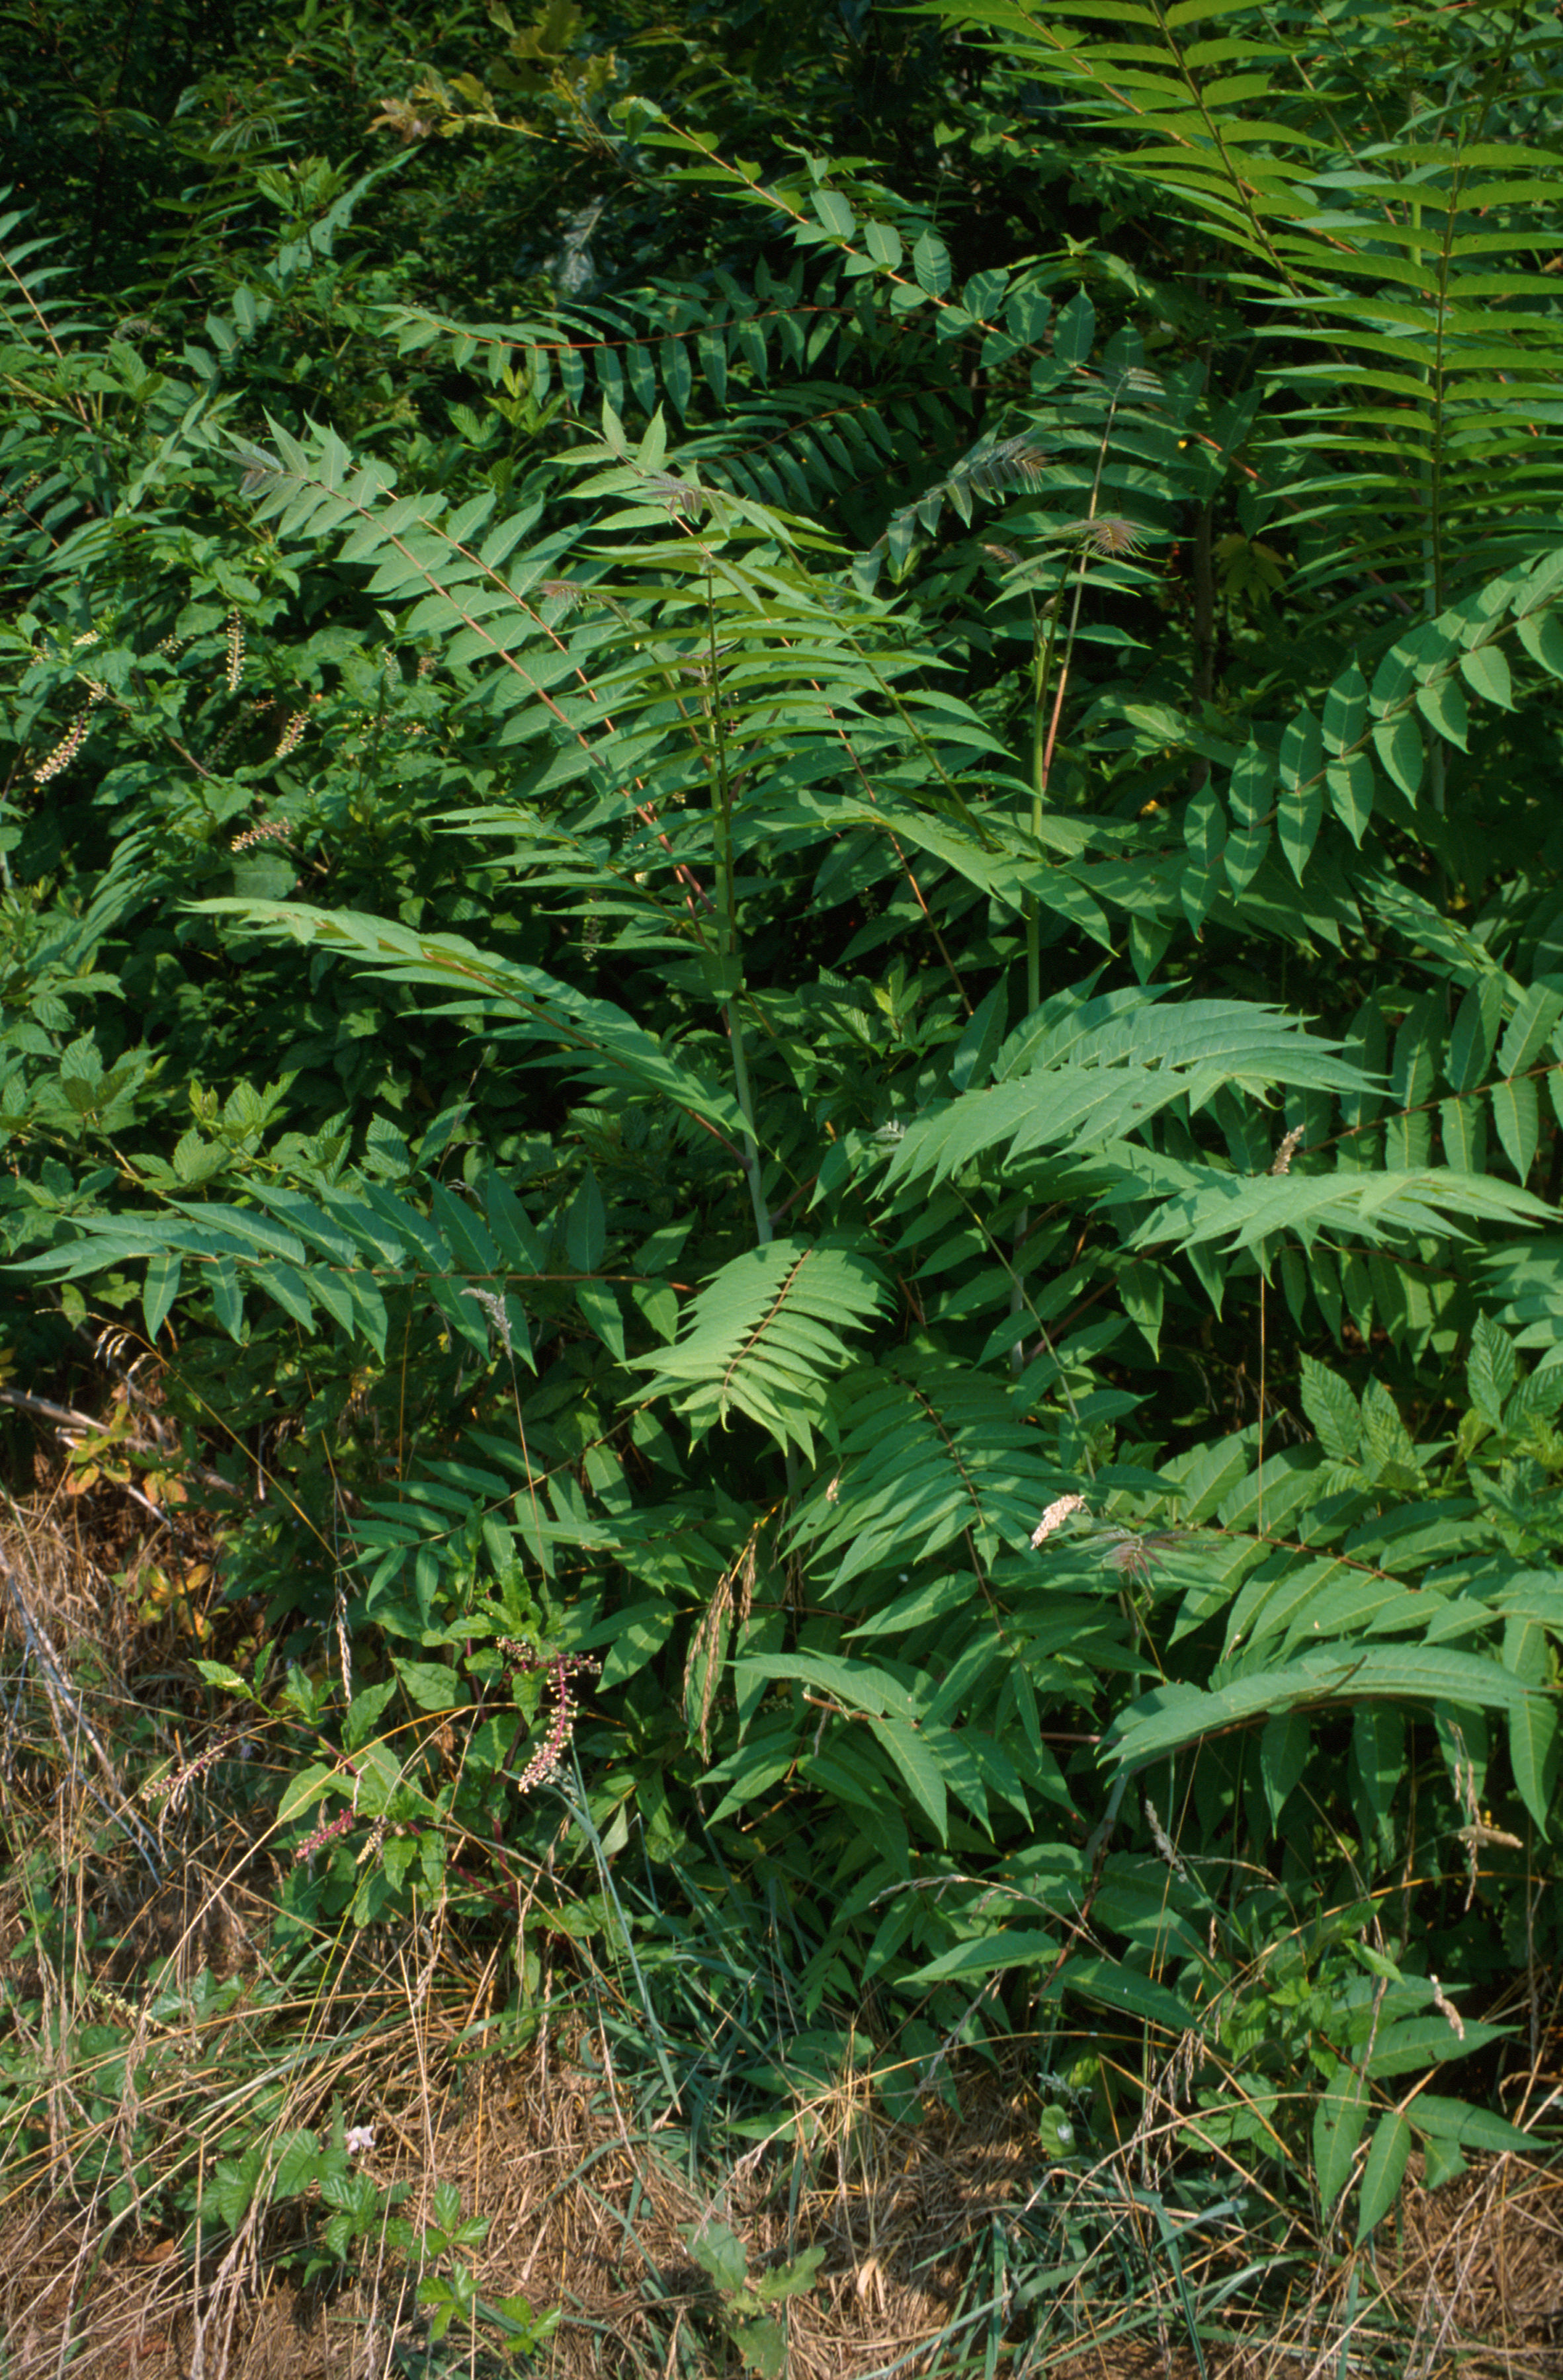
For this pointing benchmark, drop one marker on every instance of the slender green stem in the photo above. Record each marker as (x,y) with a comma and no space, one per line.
(764,1232)
(1041,653)
(1044,738)
(730,951)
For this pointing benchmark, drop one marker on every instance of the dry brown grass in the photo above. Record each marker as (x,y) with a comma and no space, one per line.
(585,2214)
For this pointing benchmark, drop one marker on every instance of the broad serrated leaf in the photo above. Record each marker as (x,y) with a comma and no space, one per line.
(1383,2171)
(1332,1410)
(931,264)
(1350,784)
(918,1767)
(1172,1717)
(1283,1755)
(1516,1114)
(1074,330)
(1104,1983)
(1489,1370)
(303,1790)
(1530,1029)
(1486,670)
(162,1288)
(1339,2119)
(1299,815)
(1473,1037)
(1397,742)
(1471,2128)
(1534,1751)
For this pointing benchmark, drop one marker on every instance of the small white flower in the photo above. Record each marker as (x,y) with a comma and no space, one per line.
(359,2139)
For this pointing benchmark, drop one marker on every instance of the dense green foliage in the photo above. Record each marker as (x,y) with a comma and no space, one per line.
(775,795)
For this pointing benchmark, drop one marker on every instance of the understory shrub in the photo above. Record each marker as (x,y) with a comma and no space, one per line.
(821,994)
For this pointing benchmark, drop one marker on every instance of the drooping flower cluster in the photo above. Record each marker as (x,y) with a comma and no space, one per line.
(325,1833)
(560,1667)
(292,731)
(263,831)
(55,763)
(1055,1517)
(329,1828)
(1287,1151)
(496,1311)
(173,1787)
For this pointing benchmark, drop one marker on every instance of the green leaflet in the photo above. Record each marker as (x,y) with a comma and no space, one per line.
(1338,2122)
(989,1955)
(1472,2128)
(860,1685)
(1383,2171)
(1102,1982)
